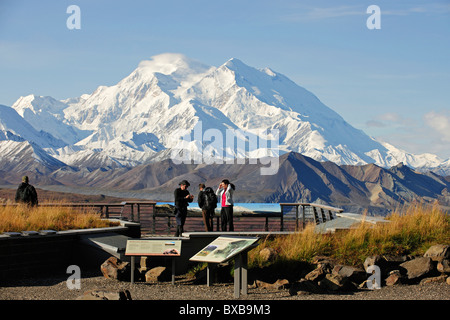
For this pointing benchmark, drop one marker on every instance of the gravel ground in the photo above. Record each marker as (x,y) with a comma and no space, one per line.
(55,288)
(184,300)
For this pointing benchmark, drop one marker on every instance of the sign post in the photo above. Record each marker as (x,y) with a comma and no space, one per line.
(224,249)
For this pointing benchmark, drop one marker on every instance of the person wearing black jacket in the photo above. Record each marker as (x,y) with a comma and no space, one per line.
(26,193)
(182,199)
(207,201)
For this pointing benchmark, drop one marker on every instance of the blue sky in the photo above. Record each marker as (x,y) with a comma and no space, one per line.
(393,83)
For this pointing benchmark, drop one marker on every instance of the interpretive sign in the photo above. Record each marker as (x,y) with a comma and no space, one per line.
(224,248)
(153,248)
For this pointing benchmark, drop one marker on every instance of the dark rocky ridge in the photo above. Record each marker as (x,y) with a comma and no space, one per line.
(299,179)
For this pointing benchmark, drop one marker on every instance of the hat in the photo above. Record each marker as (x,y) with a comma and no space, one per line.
(187,184)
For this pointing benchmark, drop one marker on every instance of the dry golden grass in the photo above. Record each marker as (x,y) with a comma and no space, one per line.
(24,218)
(411,230)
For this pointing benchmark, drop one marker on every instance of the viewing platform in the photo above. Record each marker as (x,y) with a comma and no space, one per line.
(159,219)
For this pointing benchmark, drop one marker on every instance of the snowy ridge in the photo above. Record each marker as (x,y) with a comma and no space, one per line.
(14,127)
(143,117)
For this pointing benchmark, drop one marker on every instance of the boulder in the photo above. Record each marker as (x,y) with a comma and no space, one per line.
(418,267)
(114,268)
(143,267)
(393,261)
(267,254)
(439,279)
(277,285)
(324,265)
(438,252)
(353,274)
(323,259)
(333,282)
(105,295)
(157,274)
(395,277)
(331,276)
(444,266)
(316,275)
(304,287)
(385,263)
(376,260)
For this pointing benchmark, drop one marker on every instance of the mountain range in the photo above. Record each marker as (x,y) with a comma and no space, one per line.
(298,179)
(105,137)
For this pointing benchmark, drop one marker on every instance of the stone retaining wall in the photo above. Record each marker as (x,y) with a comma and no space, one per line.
(27,254)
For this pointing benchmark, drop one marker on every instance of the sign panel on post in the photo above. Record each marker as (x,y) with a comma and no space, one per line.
(223,249)
(153,248)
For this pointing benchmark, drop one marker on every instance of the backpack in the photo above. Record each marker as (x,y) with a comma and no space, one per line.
(210,198)
(27,194)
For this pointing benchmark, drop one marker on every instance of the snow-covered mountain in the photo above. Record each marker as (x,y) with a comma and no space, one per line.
(23,157)
(14,127)
(143,117)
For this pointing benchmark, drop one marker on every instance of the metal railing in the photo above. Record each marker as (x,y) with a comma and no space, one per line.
(132,210)
(318,212)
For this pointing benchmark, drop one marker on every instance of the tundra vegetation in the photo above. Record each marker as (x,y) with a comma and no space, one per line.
(19,218)
(411,230)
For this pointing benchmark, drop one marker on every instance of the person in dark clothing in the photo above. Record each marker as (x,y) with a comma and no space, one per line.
(182,199)
(26,193)
(207,201)
(225,195)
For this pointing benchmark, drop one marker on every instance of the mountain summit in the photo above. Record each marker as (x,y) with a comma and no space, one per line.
(139,119)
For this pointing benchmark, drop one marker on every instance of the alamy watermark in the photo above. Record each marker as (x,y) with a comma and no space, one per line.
(374,280)
(74,20)
(374,21)
(74,281)
(234,146)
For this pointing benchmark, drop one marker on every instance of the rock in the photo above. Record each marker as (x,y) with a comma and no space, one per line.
(105,295)
(279,284)
(114,268)
(438,279)
(316,275)
(268,254)
(418,267)
(438,252)
(385,263)
(333,282)
(157,274)
(393,261)
(448,280)
(353,274)
(444,266)
(395,277)
(143,264)
(379,261)
(323,259)
(304,287)
(324,265)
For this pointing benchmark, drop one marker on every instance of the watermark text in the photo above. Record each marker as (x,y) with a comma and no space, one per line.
(234,146)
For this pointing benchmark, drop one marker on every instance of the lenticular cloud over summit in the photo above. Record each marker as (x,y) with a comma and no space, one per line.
(138,119)
(169,63)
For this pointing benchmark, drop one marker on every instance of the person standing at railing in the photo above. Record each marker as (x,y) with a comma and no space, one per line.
(207,201)
(225,196)
(182,199)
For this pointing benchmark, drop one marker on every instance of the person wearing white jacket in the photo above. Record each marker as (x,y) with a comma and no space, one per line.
(225,197)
